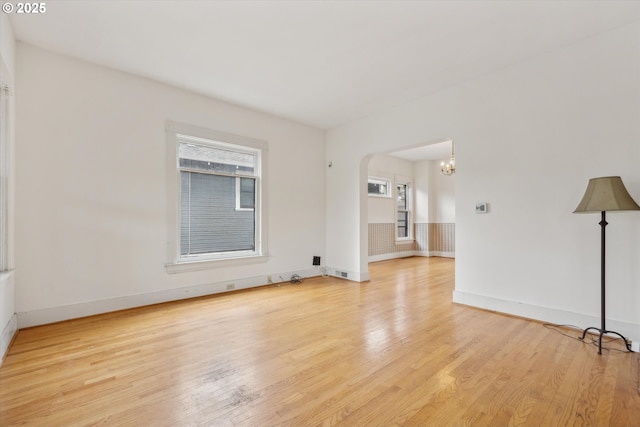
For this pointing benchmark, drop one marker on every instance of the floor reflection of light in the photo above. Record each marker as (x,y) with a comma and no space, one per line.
(377,340)
(399,324)
(444,378)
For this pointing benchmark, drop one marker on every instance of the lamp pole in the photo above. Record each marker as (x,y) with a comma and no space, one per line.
(603,329)
(603,225)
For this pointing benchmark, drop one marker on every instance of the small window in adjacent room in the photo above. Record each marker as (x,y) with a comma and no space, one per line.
(403,212)
(218,190)
(379,187)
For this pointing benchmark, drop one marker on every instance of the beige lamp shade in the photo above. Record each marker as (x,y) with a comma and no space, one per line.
(606,193)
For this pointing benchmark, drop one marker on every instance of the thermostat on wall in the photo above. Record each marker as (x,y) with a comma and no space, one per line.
(482,208)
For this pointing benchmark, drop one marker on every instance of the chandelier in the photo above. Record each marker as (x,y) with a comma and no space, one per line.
(450,167)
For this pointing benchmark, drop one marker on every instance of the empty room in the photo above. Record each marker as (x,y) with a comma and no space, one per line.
(302,213)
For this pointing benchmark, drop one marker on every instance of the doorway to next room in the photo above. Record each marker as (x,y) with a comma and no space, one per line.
(411,204)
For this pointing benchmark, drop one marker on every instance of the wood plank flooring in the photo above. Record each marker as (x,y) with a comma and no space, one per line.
(393,351)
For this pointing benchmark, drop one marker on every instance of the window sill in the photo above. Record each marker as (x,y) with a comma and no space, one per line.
(186,266)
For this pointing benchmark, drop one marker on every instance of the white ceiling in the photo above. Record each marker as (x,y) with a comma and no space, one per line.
(323,63)
(437,151)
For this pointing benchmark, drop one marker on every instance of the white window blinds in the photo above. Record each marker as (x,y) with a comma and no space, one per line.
(218,184)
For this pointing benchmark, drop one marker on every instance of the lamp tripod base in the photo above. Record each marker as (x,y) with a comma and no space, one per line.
(602,332)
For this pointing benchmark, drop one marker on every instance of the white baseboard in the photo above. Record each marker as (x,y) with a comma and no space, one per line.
(443,254)
(7,335)
(394,255)
(546,314)
(353,276)
(43,316)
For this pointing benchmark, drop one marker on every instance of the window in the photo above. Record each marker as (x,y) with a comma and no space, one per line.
(217,182)
(245,194)
(217,214)
(378,187)
(403,212)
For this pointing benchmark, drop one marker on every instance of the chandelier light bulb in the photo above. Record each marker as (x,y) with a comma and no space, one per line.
(449,168)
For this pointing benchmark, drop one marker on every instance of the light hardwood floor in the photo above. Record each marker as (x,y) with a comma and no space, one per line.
(393,351)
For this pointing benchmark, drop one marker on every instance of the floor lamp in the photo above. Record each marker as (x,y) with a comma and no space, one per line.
(605,194)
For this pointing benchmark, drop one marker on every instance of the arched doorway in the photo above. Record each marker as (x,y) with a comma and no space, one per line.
(410,205)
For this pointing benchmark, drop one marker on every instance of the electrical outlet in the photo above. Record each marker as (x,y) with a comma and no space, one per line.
(231,286)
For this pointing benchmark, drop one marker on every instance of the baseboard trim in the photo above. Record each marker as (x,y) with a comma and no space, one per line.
(8,334)
(393,255)
(43,316)
(353,276)
(545,314)
(443,254)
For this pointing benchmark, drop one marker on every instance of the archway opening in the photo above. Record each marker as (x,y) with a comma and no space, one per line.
(409,203)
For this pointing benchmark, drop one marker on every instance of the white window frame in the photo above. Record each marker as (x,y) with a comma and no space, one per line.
(378,180)
(6,175)
(178,132)
(239,192)
(409,210)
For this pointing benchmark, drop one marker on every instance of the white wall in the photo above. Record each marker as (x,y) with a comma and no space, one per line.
(443,188)
(91,202)
(528,138)
(435,193)
(8,322)
(422,176)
